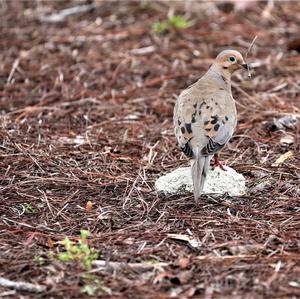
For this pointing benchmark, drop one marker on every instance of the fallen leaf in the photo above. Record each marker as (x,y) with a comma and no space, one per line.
(283,123)
(88,206)
(161,277)
(129,241)
(188,293)
(245,249)
(294,44)
(183,262)
(282,158)
(294,284)
(192,241)
(143,51)
(29,240)
(63,14)
(262,186)
(185,276)
(182,277)
(50,243)
(288,139)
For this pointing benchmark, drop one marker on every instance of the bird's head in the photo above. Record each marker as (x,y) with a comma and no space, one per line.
(228,61)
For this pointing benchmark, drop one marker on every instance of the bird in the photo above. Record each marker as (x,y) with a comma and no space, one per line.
(205,115)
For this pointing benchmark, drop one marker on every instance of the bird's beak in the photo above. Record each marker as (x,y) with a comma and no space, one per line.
(244,65)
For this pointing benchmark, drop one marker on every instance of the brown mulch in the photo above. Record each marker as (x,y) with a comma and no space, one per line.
(86,115)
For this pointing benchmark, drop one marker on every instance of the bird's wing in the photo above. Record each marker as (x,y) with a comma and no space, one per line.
(217,141)
(184,120)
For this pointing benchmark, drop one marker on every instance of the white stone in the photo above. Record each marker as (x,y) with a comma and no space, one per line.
(218,182)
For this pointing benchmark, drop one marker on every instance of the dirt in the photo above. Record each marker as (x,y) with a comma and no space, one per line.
(86,128)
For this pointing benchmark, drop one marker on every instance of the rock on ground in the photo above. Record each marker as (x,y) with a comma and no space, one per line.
(218,181)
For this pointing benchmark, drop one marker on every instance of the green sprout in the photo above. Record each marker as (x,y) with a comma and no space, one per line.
(79,251)
(93,285)
(173,22)
(89,289)
(29,209)
(39,260)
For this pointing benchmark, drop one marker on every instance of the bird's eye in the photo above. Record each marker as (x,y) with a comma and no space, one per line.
(232,59)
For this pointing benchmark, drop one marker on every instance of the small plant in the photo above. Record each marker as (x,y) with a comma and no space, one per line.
(179,22)
(173,22)
(93,285)
(39,260)
(153,261)
(79,252)
(89,289)
(29,209)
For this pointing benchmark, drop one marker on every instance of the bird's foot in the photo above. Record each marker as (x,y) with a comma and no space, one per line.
(217,163)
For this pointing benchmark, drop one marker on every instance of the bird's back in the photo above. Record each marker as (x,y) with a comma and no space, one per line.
(202,110)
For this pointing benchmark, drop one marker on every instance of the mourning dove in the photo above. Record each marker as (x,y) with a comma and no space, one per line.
(205,115)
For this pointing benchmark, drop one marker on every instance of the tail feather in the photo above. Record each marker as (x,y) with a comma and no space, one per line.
(204,171)
(199,172)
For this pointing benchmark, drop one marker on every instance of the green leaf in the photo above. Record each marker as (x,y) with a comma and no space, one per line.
(84,248)
(80,251)
(179,22)
(90,290)
(160,27)
(65,257)
(39,259)
(67,243)
(84,234)
(29,209)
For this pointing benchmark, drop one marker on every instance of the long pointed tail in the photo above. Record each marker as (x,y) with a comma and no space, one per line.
(199,172)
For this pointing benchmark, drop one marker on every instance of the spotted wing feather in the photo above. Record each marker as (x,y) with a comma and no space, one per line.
(187,150)
(217,141)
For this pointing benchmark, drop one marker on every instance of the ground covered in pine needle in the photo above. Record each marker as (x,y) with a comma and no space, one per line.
(86,128)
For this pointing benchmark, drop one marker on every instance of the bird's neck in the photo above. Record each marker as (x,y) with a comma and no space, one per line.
(221,76)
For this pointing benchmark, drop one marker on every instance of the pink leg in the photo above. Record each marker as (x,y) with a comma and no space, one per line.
(217,162)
